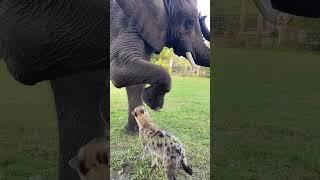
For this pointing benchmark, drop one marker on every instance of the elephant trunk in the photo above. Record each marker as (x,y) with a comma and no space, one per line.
(202,55)
(270,14)
(204,29)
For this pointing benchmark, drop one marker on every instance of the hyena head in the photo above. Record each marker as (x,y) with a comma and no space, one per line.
(92,162)
(141,115)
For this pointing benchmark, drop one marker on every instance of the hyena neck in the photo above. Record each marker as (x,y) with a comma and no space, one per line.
(147,124)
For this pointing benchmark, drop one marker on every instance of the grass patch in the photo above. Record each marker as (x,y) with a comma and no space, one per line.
(185,114)
(266,106)
(29,134)
(28,130)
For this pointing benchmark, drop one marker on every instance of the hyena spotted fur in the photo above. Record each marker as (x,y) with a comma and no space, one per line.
(161,145)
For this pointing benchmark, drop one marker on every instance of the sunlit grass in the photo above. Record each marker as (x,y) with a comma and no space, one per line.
(185,114)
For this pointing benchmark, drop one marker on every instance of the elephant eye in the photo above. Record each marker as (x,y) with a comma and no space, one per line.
(188,24)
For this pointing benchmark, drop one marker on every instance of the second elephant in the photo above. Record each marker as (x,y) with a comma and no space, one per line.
(142,27)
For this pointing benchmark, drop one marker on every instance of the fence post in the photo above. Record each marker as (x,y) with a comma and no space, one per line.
(259,29)
(243,16)
(283,36)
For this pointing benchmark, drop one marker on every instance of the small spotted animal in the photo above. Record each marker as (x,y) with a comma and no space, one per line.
(161,145)
(92,162)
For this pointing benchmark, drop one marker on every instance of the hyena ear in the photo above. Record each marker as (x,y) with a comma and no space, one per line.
(75,163)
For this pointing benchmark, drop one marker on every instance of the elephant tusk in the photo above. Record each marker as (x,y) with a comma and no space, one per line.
(207,43)
(191,61)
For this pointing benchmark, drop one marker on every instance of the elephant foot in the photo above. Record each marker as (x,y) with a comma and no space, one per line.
(153,98)
(131,130)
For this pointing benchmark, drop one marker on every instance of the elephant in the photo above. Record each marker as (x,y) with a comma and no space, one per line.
(65,42)
(306,8)
(279,11)
(204,29)
(139,28)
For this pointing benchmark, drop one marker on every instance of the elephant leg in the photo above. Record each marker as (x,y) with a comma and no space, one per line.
(134,99)
(139,71)
(82,103)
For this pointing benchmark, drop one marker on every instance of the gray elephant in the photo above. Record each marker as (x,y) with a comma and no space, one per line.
(142,27)
(64,41)
(279,11)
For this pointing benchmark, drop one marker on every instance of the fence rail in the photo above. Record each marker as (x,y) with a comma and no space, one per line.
(226,31)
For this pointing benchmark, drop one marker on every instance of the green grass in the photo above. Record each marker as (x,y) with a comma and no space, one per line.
(185,114)
(266,107)
(28,132)
(28,128)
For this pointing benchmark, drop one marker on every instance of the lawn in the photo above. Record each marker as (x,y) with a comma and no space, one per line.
(185,114)
(28,130)
(267,118)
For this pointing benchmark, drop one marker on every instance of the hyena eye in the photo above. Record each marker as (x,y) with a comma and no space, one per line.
(142,111)
(135,114)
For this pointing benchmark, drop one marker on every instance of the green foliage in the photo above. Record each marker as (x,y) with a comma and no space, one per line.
(163,59)
(180,66)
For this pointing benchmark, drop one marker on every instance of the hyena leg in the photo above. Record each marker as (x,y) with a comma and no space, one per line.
(145,153)
(170,167)
(154,162)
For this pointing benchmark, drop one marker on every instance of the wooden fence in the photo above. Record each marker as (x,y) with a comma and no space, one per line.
(226,32)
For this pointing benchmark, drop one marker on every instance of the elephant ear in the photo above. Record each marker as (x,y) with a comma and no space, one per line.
(150,18)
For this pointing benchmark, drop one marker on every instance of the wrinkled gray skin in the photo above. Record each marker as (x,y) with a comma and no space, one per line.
(64,41)
(142,27)
(270,14)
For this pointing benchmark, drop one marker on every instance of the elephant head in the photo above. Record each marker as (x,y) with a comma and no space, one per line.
(171,23)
